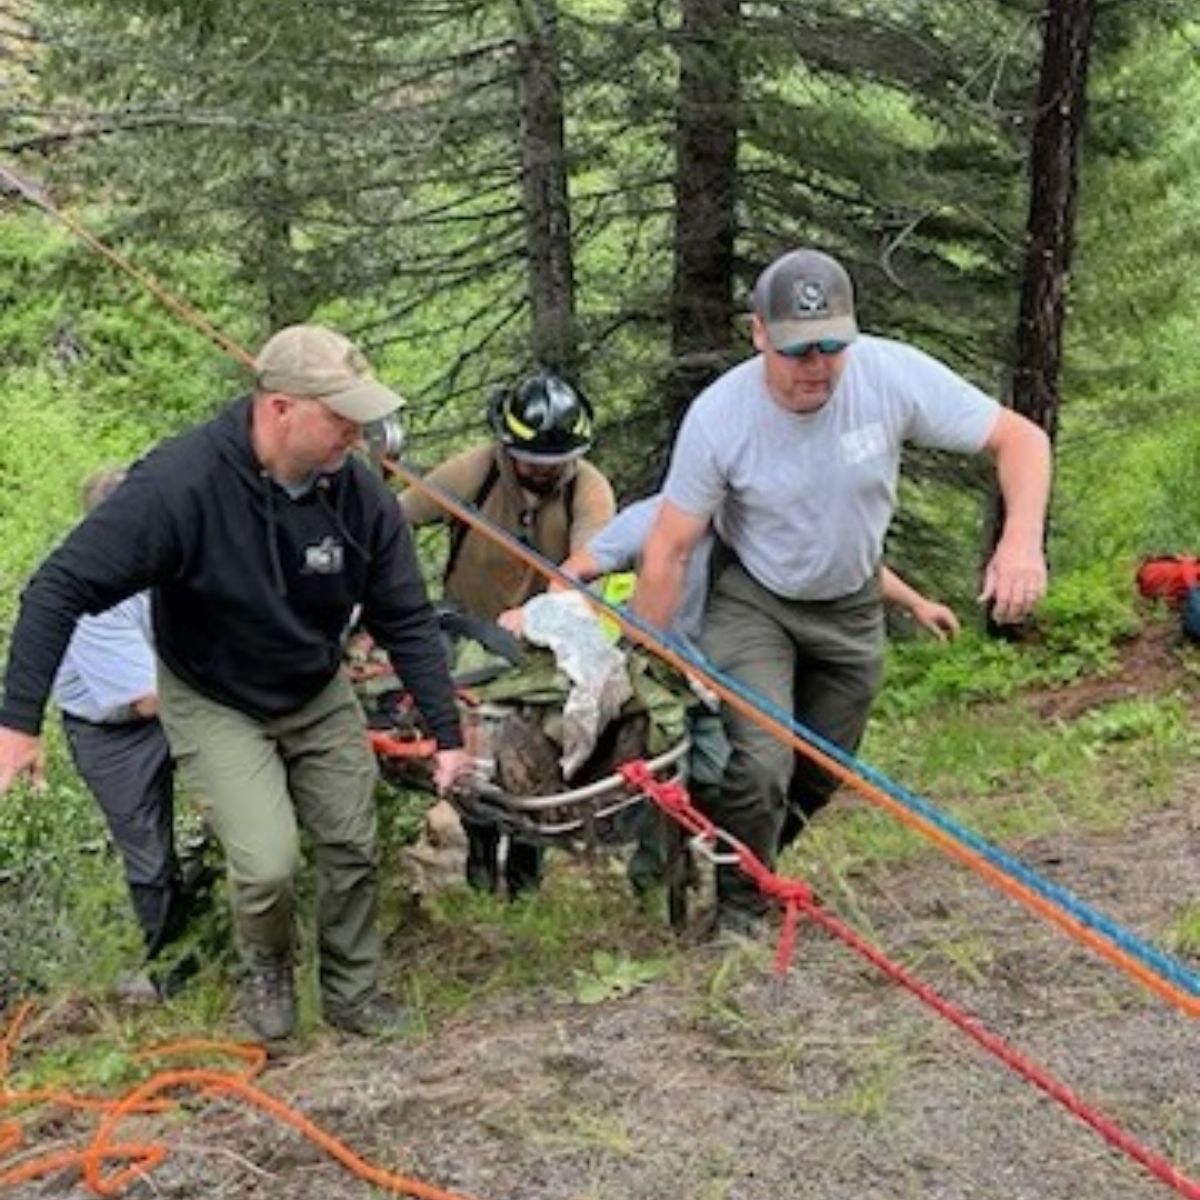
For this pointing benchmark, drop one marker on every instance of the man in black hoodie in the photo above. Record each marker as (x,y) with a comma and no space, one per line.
(261,536)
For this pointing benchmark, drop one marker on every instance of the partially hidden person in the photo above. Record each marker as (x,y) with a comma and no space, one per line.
(533,481)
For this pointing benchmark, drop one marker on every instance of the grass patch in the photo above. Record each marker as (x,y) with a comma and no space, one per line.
(968,952)
(587,1130)
(582,936)
(1183,935)
(868,1095)
(1005,774)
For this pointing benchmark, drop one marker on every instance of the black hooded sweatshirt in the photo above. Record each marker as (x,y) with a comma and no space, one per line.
(253,590)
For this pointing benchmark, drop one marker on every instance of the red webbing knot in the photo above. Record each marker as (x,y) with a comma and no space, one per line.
(793,894)
(787,939)
(672,798)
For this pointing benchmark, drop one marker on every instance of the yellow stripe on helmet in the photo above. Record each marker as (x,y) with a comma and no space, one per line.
(525,432)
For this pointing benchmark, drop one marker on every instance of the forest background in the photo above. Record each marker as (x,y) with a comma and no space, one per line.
(473,188)
(470,188)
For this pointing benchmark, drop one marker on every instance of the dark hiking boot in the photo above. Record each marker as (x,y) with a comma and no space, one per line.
(170,978)
(379,1016)
(269,1000)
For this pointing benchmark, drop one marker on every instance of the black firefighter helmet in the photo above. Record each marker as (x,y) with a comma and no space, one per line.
(542,419)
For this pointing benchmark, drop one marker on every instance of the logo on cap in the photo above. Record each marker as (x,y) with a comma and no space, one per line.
(809,297)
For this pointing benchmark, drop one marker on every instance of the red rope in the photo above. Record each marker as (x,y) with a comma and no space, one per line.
(796,898)
(1013,1059)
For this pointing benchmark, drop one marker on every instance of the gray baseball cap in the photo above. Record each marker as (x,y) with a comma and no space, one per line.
(805,296)
(312,361)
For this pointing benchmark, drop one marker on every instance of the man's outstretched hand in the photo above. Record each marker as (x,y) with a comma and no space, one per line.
(21,756)
(1015,580)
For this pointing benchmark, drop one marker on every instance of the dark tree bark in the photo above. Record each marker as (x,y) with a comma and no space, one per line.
(702,300)
(1068,27)
(1054,171)
(269,255)
(544,195)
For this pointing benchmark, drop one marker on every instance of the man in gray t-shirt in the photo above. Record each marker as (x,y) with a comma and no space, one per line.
(793,458)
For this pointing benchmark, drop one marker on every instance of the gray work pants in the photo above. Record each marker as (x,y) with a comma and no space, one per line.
(127,768)
(820,660)
(261,781)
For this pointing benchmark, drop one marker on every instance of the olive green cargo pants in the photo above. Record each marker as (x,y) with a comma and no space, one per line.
(260,782)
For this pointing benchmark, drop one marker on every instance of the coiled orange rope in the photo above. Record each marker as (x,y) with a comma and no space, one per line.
(136,1159)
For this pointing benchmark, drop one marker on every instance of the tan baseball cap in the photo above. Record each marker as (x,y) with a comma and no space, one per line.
(805,296)
(310,360)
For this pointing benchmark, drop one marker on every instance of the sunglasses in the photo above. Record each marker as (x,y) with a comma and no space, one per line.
(822,346)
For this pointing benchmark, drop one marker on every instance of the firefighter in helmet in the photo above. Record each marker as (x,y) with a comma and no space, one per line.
(533,481)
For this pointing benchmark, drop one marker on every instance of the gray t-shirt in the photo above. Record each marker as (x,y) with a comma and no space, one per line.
(805,500)
(618,547)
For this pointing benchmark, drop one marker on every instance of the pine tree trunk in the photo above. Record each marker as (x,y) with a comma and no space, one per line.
(1054,179)
(544,188)
(702,301)
(1054,161)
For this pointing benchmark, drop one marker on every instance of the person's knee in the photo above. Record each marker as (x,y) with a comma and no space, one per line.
(147,853)
(268,871)
(351,859)
(808,779)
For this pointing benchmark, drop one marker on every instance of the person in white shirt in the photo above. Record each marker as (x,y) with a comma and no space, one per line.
(105,690)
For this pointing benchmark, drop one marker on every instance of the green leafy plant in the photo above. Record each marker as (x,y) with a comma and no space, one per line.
(1130,720)
(613,975)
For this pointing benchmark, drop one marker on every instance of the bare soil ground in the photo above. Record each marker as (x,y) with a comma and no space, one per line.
(723,1082)
(1149,664)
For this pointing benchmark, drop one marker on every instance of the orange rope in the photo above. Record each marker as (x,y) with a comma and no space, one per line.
(132,1160)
